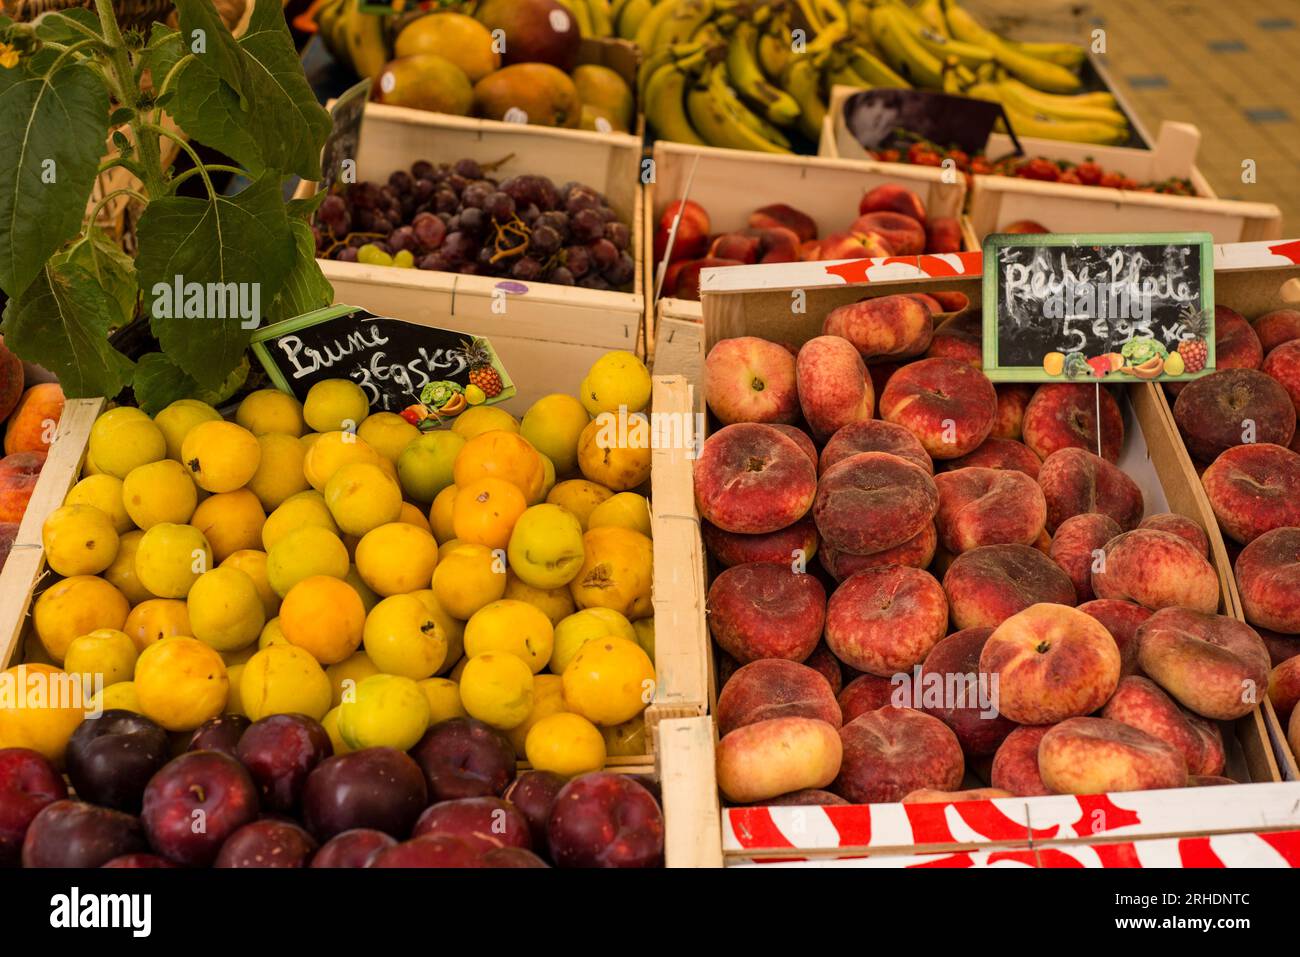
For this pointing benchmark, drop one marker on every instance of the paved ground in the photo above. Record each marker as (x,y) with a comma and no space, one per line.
(1232,68)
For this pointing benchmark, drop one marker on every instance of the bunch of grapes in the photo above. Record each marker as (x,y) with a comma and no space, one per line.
(455,218)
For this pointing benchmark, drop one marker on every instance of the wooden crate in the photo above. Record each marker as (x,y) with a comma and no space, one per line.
(756,301)
(731,184)
(533,326)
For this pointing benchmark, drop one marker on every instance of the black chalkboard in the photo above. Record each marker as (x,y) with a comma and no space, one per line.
(344,140)
(888,117)
(394,362)
(1097,305)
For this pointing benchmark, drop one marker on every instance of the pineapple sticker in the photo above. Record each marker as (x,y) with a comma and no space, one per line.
(478,356)
(1193,350)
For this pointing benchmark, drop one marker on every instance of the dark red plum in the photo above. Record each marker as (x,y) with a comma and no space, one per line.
(355,848)
(534,794)
(483,823)
(378,788)
(464,758)
(221,733)
(111,758)
(267,843)
(195,803)
(511,857)
(279,752)
(605,820)
(137,862)
(432,850)
(77,834)
(28,782)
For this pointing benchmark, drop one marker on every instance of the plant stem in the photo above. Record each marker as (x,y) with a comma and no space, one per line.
(183,144)
(67,51)
(167,80)
(74,24)
(128,94)
(210,167)
(129,165)
(125,190)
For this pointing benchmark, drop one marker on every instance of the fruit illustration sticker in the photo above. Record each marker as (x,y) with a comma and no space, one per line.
(1119,308)
(427,375)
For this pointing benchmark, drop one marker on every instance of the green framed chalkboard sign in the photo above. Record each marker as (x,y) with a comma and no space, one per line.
(399,365)
(1092,306)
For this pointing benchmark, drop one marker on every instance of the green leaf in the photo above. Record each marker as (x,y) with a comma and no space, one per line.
(61,321)
(220,51)
(306,288)
(159,382)
(244,239)
(305,209)
(50,127)
(163,51)
(54,27)
(111,267)
(284,127)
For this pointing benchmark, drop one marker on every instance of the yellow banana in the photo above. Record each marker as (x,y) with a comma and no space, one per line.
(774,50)
(651,21)
(1040,74)
(875,70)
(748,79)
(902,51)
(689,53)
(968,54)
(931,11)
(1077,131)
(602,18)
(1068,55)
(832,14)
(714,120)
(665,105)
(1099,99)
(630,17)
(687,17)
(365,39)
(721,90)
(581,15)
(1023,98)
(803,82)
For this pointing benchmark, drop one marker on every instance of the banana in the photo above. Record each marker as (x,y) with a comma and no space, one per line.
(630,17)
(803,82)
(902,51)
(717,124)
(1077,131)
(581,15)
(1040,74)
(968,54)
(748,79)
(687,53)
(722,91)
(327,18)
(1015,94)
(602,18)
(665,105)
(651,21)
(365,40)
(687,17)
(931,11)
(875,70)
(1099,99)
(1068,55)
(832,13)
(774,50)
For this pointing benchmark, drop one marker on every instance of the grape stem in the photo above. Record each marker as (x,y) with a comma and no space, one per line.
(516,226)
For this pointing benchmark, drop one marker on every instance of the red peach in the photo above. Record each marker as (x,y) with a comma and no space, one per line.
(883,328)
(1024,226)
(1077,545)
(32,422)
(784,545)
(1122,619)
(1283,364)
(874,436)
(1254,489)
(1232,406)
(748,379)
(682,280)
(868,245)
(1180,525)
(774,688)
(1280,647)
(1140,703)
(968,703)
(984,506)
(885,620)
(916,552)
(1276,327)
(994,453)
(1156,570)
(1064,415)
(951,301)
(1236,345)
(787,217)
(929,796)
(827,665)
(750,478)
(801,438)
(961,337)
(19,473)
(892,752)
(1097,756)
(986,586)
(865,693)
(766,610)
(777,756)
(834,388)
(692,234)
(738,246)
(872,501)
(1015,765)
(11,381)
(776,244)
(1284,688)
(1013,399)
(904,234)
(1268,578)
(1212,664)
(1051,663)
(943,235)
(805,797)
(1075,482)
(892,198)
(945,403)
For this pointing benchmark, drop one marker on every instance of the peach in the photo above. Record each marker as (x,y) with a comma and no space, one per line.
(764,610)
(985,506)
(1276,327)
(865,693)
(905,235)
(891,752)
(774,688)
(750,478)
(1236,345)
(783,545)
(994,453)
(1015,765)
(887,619)
(1076,482)
(805,797)
(1013,399)
(986,586)
(1122,619)
(1051,663)
(1212,664)
(1232,406)
(1284,688)
(1283,364)
(1156,570)
(1024,226)
(929,796)
(1179,525)
(31,424)
(779,215)
(834,388)
(1076,547)
(927,300)
(692,233)
(967,702)
(1140,703)
(961,337)
(776,244)
(827,665)
(914,553)
(11,381)
(1268,577)
(682,281)
(884,328)
(943,235)
(1098,756)
(1213,755)
(945,403)
(872,501)
(874,436)
(1280,647)
(777,756)
(852,245)
(742,247)
(800,437)
(1293,733)
(1063,415)
(748,379)
(950,301)
(1254,489)
(892,198)
(19,473)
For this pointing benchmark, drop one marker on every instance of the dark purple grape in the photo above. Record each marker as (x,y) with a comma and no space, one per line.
(470,269)
(422,169)
(348,254)
(407,207)
(604,254)
(619,234)
(537,190)
(472,221)
(445,217)
(363,220)
(387,197)
(578,259)
(476,194)
(581,198)
(446,201)
(333,215)
(527,269)
(381,224)
(457,182)
(459,248)
(364,195)
(587,226)
(568,188)
(434,261)
(500,207)
(592,281)
(484,258)
(621,273)
(561,276)
(557,219)
(403,237)
(607,214)
(529,214)
(423,189)
(546,239)
(429,231)
(469,169)
(401,181)
(358,241)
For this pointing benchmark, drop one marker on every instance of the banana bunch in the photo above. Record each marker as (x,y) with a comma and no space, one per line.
(595,18)
(355,39)
(757,75)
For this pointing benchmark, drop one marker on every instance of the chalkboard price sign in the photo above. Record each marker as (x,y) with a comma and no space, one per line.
(1098,306)
(397,364)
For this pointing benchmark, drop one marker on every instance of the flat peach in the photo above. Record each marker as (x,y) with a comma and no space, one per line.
(1268,577)
(1140,703)
(775,688)
(892,752)
(1075,482)
(1015,765)
(751,380)
(873,501)
(777,756)
(916,552)
(784,545)
(865,693)
(885,620)
(1122,619)
(1179,525)
(1156,570)
(883,329)
(997,453)
(1254,489)
(1064,415)
(986,586)
(1077,545)
(986,506)
(945,403)
(766,610)
(1213,665)
(1232,406)
(752,479)
(1096,756)
(874,436)
(1013,399)
(968,703)
(834,388)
